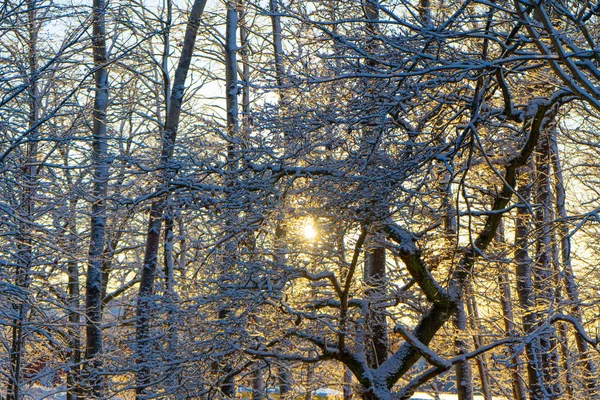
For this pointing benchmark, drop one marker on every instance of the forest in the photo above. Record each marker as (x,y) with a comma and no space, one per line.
(262,199)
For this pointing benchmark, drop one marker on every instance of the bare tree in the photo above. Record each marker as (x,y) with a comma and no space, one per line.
(169,136)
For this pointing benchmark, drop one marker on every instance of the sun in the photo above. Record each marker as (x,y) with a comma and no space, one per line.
(309,231)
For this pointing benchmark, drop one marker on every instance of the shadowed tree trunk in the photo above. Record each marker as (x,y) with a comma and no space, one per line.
(100,162)
(464,380)
(284,378)
(169,136)
(518,385)
(258,383)
(347,384)
(377,346)
(482,367)
(26,212)
(277,44)
(227,385)
(73,300)
(543,271)
(375,266)
(525,291)
(589,368)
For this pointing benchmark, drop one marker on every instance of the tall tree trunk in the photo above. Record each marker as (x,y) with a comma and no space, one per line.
(73,301)
(169,136)
(258,383)
(589,368)
(170,295)
(233,132)
(277,44)
(347,384)
(375,276)
(245,59)
(93,301)
(518,385)
(524,274)
(377,350)
(284,378)
(25,211)
(464,380)
(567,364)
(478,342)
(543,273)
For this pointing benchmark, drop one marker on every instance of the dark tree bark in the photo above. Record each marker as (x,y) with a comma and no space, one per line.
(277,44)
(258,383)
(377,346)
(100,162)
(169,136)
(284,378)
(524,275)
(347,384)
(543,272)
(518,385)
(482,367)
(73,302)
(25,211)
(589,368)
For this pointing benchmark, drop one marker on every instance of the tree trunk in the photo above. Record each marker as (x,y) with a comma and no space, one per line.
(93,301)
(543,272)
(233,132)
(277,44)
(525,291)
(347,384)
(170,296)
(464,380)
(25,212)
(567,364)
(589,368)
(478,342)
(309,381)
(169,136)
(73,301)
(284,378)
(377,349)
(518,385)
(258,383)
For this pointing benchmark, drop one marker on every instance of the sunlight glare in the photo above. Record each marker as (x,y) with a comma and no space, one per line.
(309,230)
